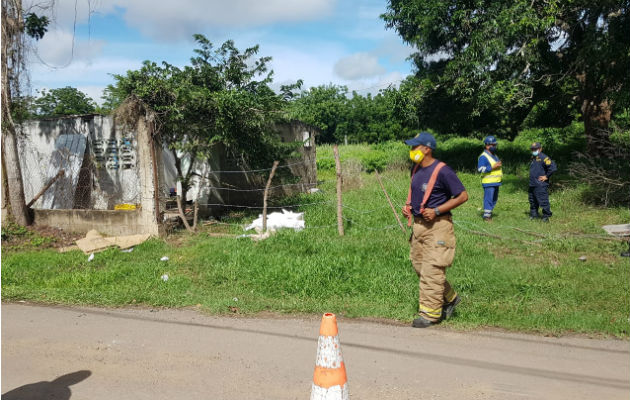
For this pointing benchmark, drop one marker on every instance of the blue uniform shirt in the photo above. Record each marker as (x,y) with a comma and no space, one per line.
(483,166)
(447,185)
(539,166)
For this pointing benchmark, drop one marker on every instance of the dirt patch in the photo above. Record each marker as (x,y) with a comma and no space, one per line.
(15,237)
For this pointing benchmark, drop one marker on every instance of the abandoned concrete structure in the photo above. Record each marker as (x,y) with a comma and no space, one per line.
(119,181)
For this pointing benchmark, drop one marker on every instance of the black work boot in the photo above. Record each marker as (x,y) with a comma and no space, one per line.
(449,308)
(422,322)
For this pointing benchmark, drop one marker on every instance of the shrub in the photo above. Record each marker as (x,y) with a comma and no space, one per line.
(326,164)
(460,153)
(559,143)
(373,160)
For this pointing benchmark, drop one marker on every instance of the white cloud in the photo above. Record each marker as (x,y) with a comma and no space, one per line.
(357,66)
(174,20)
(314,67)
(61,48)
(81,74)
(65,13)
(393,48)
(93,92)
(374,85)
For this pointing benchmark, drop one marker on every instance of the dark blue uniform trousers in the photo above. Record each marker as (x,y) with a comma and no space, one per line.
(490,197)
(539,197)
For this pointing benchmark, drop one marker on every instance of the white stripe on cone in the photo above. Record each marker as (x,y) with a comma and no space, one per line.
(332,393)
(328,352)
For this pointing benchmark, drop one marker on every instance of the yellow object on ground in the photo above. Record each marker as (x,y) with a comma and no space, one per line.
(125,206)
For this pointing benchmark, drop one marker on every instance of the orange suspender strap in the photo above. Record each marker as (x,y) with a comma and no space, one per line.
(428,190)
(430,185)
(408,202)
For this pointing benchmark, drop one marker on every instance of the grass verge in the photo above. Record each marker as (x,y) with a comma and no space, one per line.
(532,279)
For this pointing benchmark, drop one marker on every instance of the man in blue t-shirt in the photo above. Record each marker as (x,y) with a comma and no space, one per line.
(434,191)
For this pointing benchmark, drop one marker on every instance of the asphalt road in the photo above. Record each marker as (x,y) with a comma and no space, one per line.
(87,353)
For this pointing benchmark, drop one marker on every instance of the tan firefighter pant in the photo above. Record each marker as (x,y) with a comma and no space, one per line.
(432,251)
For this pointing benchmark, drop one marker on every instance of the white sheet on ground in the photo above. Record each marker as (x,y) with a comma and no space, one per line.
(277,220)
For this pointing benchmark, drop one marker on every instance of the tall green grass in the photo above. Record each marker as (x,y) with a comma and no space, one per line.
(532,279)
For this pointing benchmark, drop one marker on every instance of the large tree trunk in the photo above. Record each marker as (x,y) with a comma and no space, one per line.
(15,188)
(11,53)
(596,116)
(4,211)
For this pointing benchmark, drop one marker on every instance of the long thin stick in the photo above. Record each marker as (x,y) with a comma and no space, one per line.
(530,233)
(195,212)
(264,219)
(389,201)
(45,188)
(181,213)
(500,237)
(196,207)
(339,182)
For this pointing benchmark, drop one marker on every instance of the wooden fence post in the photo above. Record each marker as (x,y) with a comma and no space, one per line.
(264,219)
(389,201)
(339,203)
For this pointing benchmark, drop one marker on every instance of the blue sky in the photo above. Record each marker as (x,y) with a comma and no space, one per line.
(320,41)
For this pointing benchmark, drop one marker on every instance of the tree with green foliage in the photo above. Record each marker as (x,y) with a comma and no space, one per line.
(222,97)
(360,119)
(370,119)
(495,62)
(16,30)
(62,101)
(324,107)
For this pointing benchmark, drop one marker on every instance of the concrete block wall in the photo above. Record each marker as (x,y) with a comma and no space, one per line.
(108,222)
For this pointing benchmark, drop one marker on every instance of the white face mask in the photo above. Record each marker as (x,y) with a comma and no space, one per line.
(535,153)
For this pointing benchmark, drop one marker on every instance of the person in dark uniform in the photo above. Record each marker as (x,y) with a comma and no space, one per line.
(540,170)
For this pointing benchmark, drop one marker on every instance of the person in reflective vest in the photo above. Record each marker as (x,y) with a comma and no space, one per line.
(434,191)
(540,170)
(489,166)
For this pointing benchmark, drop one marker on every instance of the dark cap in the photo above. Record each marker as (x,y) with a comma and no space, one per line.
(423,138)
(535,145)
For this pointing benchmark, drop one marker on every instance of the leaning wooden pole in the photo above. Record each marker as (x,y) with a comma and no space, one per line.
(45,188)
(195,212)
(180,209)
(389,201)
(264,218)
(339,182)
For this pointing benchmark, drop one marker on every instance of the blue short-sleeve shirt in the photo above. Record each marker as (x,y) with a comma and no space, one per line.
(447,186)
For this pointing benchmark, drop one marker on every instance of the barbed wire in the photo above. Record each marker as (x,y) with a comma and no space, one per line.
(79,192)
(256,170)
(260,207)
(386,227)
(242,225)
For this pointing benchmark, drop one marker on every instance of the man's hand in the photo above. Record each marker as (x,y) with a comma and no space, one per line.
(497,165)
(406,210)
(542,178)
(428,214)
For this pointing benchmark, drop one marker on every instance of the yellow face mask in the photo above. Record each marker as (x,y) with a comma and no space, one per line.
(416,156)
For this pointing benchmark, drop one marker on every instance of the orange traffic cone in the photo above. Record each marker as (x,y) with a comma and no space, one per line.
(329,379)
